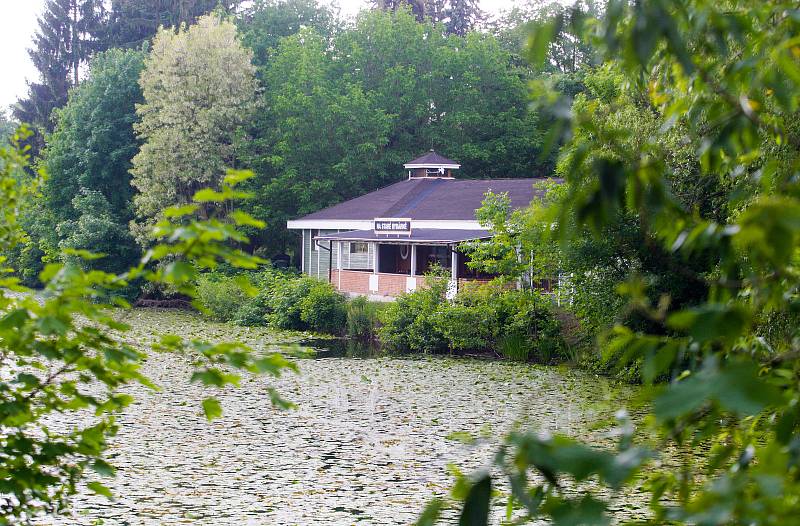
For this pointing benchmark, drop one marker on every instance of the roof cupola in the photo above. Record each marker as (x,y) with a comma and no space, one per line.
(431,165)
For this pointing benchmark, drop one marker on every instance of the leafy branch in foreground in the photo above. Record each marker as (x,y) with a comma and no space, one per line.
(721,80)
(64,361)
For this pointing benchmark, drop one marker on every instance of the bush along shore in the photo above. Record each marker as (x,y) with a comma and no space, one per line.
(485,318)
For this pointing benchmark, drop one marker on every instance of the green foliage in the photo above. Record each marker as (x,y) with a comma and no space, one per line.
(407,324)
(64,41)
(343,112)
(681,183)
(199,88)
(515,346)
(221,296)
(131,23)
(285,311)
(266,22)
(323,309)
(304,303)
(65,352)
(88,157)
(363,319)
(519,324)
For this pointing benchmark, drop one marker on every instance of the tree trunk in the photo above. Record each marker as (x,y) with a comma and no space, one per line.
(75,52)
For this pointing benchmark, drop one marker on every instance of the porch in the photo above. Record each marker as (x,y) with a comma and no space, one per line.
(395,263)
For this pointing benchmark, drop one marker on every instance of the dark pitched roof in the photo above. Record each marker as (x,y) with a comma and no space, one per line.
(431,199)
(432,159)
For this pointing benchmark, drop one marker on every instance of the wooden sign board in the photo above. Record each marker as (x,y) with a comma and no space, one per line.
(392,225)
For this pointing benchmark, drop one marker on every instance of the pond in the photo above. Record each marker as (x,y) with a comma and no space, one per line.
(369,443)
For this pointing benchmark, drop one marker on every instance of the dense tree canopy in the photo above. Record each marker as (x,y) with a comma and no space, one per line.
(132,22)
(88,157)
(681,200)
(341,115)
(71,31)
(266,22)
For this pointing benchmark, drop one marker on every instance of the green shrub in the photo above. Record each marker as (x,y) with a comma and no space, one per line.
(323,309)
(362,319)
(221,295)
(286,297)
(408,323)
(256,310)
(465,327)
(520,325)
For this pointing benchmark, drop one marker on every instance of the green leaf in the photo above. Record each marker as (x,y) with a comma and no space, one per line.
(14,319)
(100,489)
(103,468)
(739,389)
(207,195)
(244,219)
(476,505)
(431,513)
(541,36)
(84,254)
(212,408)
(234,177)
(584,512)
(278,401)
(180,211)
(712,322)
(683,397)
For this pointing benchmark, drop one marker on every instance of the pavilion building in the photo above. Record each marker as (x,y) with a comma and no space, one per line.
(381,244)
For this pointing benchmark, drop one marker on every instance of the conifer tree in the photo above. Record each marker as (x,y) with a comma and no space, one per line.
(63,43)
(132,22)
(462,16)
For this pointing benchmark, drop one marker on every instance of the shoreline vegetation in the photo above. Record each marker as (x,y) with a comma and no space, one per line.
(488,319)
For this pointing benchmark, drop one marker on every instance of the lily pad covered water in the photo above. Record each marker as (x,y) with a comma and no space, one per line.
(370,442)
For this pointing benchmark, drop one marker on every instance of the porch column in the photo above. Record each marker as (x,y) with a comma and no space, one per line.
(373,279)
(413,260)
(339,264)
(454,264)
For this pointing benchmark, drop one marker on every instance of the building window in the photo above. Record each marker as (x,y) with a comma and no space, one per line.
(314,233)
(359,248)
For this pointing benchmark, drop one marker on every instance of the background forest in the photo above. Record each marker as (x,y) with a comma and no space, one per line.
(130,119)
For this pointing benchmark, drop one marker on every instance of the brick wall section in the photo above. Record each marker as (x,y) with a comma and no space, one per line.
(388,284)
(352,281)
(358,283)
(391,284)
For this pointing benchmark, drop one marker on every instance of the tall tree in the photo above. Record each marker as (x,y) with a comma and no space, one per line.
(463,16)
(318,141)
(458,16)
(88,158)
(418,7)
(199,88)
(132,22)
(63,43)
(568,51)
(266,22)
